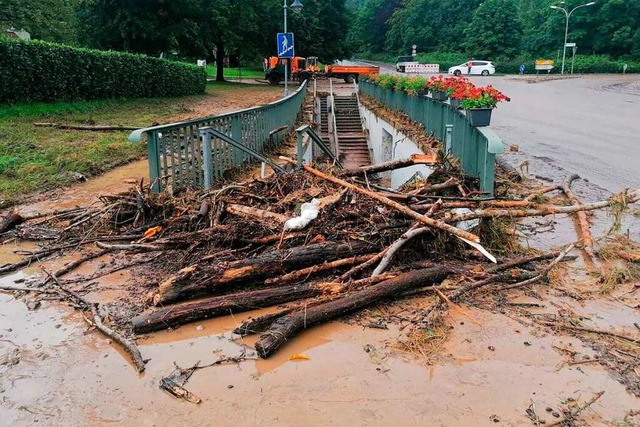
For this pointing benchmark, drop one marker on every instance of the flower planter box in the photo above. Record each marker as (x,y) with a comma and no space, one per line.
(439,96)
(455,103)
(479,116)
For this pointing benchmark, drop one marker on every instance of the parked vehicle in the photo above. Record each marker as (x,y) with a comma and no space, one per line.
(302,69)
(350,73)
(403,61)
(299,68)
(481,68)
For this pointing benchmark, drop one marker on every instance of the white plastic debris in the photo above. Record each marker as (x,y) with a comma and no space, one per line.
(308,212)
(466,225)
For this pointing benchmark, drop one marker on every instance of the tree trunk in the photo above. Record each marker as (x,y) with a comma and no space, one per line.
(198,279)
(178,314)
(12,219)
(415,159)
(288,326)
(220,61)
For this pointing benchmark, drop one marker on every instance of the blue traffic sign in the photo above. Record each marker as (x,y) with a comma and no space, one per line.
(285,45)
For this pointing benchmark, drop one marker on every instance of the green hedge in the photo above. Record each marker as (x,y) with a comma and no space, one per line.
(41,71)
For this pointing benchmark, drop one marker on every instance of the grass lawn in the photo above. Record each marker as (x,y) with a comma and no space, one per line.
(245,73)
(37,158)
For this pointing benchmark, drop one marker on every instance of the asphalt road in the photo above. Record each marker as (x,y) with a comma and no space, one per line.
(588,125)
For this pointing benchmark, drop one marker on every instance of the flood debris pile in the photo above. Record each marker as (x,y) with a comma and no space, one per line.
(198,255)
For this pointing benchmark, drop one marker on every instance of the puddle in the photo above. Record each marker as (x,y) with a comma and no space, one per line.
(116,180)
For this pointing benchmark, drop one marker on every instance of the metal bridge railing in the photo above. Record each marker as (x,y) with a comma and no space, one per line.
(176,150)
(475,147)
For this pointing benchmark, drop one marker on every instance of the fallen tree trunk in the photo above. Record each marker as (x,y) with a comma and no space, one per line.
(288,326)
(85,127)
(262,323)
(10,220)
(178,314)
(198,279)
(415,159)
(512,173)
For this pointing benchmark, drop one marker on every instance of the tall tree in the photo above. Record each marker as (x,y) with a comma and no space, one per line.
(432,25)
(371,25)
(50,20)
(494,31)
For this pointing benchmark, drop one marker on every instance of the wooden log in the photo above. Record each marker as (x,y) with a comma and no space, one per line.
(199,279)
(543,210)
(255,213)
(288,326)
(397,206)
(85,127)
(262,323)
(431,188)
(310,271)
(583,223)
(512,173)
(415,159)
(10,221)
(178,314)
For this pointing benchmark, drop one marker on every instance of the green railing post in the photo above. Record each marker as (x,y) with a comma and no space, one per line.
(206,157)
(236,133)
(154,161)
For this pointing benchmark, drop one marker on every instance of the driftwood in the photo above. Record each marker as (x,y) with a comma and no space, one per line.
(262,323)
(97,321)
(10,220)
(178,314)
(199,279)
(415,159)
(574,413)
(583,223)
(542,211)
(255,213)
(511,172)
(397,206)
(432,188)
(85,127)
(310,271)
(288,326)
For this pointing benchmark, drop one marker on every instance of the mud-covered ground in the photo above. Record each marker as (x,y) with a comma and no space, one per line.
(491,362)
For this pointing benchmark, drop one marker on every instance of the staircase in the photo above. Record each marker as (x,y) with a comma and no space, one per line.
(353,150)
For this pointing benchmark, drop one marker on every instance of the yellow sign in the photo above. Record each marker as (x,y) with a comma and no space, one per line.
(544,62)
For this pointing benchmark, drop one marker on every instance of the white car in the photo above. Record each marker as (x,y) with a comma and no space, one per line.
(482,68)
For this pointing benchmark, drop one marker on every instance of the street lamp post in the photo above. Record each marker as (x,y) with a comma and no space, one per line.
(566,27)
(296,5)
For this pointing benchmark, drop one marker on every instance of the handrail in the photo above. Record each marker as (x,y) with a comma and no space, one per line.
(319,142)
(176,152)
(333,116)
(136,135)
(356,90)
(206,133)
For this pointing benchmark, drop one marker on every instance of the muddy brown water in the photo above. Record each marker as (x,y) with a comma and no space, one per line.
(55,371)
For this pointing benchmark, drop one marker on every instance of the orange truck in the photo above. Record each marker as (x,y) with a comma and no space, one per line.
(302,69)
(350,73)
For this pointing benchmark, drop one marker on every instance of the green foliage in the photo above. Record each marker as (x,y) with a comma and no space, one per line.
(494,31)
(50,20)
(41,71)
(369,30)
